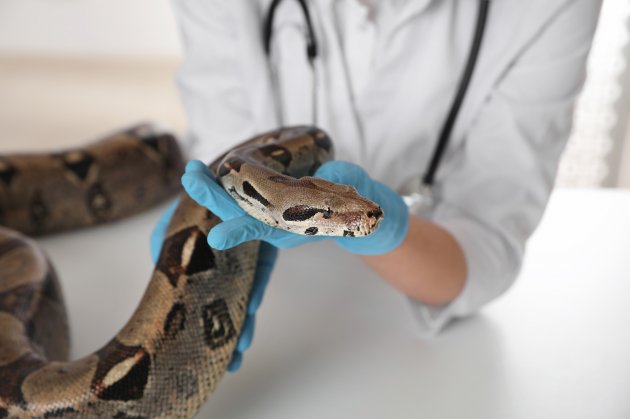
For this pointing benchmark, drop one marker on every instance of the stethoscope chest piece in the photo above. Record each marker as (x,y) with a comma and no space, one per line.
(418,196)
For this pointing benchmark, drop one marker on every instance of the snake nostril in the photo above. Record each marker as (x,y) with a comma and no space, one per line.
(375,214)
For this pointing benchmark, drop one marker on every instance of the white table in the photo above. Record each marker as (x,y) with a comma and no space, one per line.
(333,341)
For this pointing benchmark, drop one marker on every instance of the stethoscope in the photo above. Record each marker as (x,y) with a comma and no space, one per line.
(416,191)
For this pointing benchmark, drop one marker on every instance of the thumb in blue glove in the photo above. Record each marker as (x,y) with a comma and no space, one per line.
(238,227)
(267,255)
(393,228)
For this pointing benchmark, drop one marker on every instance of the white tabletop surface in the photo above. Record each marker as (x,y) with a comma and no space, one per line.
(334,341)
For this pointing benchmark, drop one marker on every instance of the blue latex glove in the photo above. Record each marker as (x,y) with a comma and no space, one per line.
(266,259)
(238,227)
(393,228)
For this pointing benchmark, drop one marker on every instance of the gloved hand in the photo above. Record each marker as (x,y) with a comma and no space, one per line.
(393,228)
(266,259)
(238,227)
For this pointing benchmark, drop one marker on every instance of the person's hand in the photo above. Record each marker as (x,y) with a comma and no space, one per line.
(238,227)
(267,255)
(393,228)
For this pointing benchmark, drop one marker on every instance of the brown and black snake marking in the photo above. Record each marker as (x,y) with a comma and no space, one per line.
(123,174)
(253,193)
(7,172)
(269,177)
(176,347)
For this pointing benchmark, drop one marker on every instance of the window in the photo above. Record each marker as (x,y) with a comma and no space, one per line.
(594,154)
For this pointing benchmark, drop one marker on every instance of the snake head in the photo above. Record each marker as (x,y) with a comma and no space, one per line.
(330,209)
(309,206)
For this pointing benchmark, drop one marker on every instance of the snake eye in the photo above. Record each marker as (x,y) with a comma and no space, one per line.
(327,213)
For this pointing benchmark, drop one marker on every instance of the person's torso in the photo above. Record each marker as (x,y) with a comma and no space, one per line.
(385,81)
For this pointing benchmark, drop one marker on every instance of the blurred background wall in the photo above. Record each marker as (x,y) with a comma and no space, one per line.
(130,28)
(70,69)
(598,153)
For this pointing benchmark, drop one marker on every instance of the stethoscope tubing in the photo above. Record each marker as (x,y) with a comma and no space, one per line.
(312,52)
(445,133)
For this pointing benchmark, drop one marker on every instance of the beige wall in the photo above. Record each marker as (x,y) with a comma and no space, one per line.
(88,27)
(71,70)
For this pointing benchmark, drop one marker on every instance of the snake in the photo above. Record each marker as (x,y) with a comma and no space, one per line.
(173,351)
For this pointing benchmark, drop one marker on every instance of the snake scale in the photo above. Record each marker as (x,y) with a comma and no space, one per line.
(175,348)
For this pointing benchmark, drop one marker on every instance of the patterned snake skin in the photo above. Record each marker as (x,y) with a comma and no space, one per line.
(176,347)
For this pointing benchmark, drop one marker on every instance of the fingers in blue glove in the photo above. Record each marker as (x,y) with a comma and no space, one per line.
(237,227)
(393,228)
(267,255)
(235,362)
(235,231)
(247,333)
(239,230)
(200,184)
(339,171)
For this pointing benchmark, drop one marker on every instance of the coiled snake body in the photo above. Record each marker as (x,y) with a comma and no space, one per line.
(175,348)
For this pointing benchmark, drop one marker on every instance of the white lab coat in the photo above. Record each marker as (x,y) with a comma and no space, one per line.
(498,171)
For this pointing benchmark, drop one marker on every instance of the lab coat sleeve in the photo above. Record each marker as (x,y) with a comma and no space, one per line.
(499,178)
(209,79)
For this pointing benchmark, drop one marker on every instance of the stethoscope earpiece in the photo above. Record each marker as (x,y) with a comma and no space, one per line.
(312,52)
(311,39)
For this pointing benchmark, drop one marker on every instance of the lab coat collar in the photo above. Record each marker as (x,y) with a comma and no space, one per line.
(408,12)
(414,6)
(411,9)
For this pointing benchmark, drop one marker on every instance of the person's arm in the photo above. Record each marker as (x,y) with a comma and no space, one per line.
(429,265)
(495,186)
